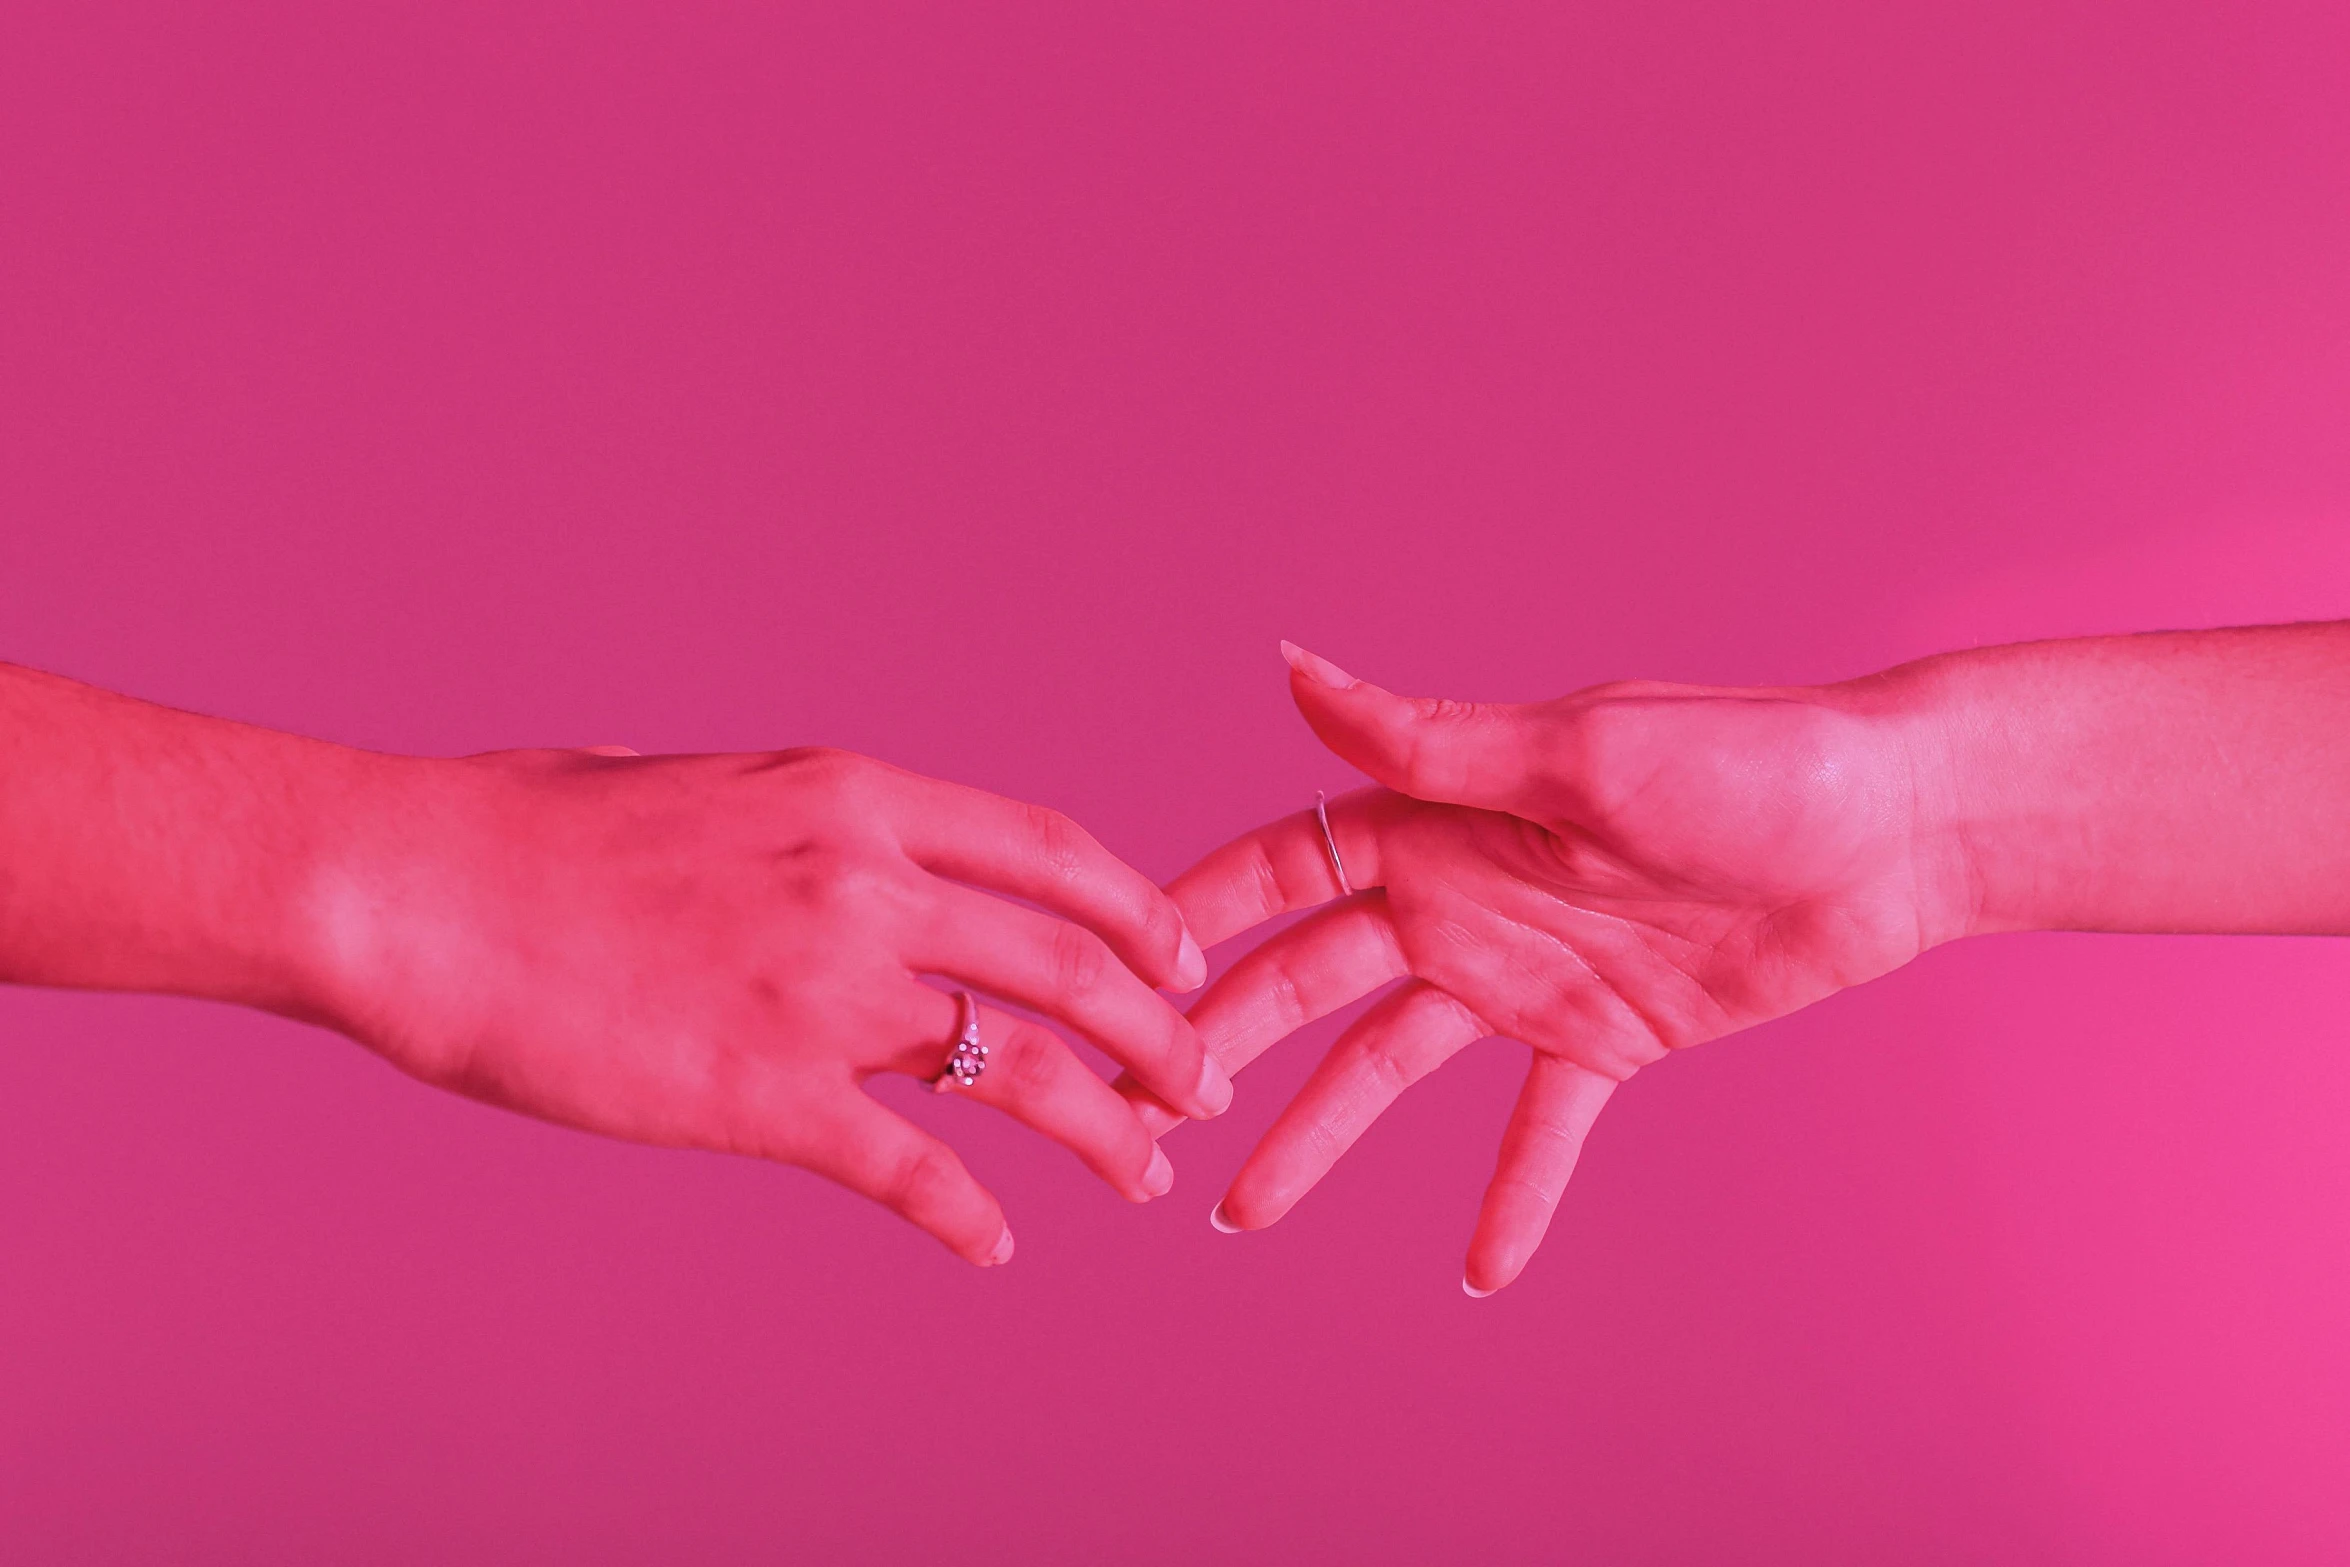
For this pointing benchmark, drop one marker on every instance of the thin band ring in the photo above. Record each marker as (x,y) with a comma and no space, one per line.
(967,1057)
(1330,842)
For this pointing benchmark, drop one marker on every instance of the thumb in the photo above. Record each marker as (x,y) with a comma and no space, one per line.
(1458,753)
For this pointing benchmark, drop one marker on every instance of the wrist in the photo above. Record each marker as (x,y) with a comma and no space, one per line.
(153,850)
(296,844)
(1918,711)
(371,916)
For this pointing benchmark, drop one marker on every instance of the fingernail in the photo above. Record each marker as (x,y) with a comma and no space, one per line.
(1316,668)
(1191,965)
(1003,1250)
(1215,1089)
(1217,1218)
(1472,1291)
(1159,1179)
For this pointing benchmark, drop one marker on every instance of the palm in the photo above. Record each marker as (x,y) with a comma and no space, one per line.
(1712,863)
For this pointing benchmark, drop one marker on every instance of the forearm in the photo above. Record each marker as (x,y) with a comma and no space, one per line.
(147,849)
(2185,781)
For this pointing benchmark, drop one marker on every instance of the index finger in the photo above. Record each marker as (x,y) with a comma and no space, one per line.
(1282,867)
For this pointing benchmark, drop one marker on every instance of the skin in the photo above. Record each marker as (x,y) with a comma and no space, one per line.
(699,951)
(1640,867)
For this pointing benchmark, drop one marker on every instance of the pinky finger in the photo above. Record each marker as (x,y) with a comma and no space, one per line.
(885,1157)
(1554,1114)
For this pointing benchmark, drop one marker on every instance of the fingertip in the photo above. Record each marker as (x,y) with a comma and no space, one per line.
(1215,1086)
(1364,724)
(1191,964)
(1156,1118)
(1158,1178)
(1222,1221)
(1493,1266)
(1316,668)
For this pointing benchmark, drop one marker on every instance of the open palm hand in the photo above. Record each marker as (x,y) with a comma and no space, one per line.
(1606,877)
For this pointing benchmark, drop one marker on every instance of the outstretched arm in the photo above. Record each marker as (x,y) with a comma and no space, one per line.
(1641,866)
(711,951)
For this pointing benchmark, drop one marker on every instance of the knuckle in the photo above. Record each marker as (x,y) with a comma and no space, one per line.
(921,1178)
(1033,1063)
(1543,1193)
(1422,758)
(1061,847)
(1450,710)
(1602,753)
(1391,1075)
(1266,877)
(835,777)
(1442,1007)
(1456,743)
(839,884)
(1079,961)
(1286,994)
(1559,1145)
(1162,922)
(808,762)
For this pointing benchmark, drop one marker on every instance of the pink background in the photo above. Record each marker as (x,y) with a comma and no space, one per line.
(990,395)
